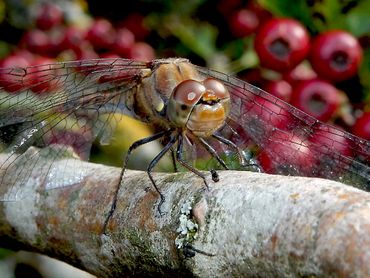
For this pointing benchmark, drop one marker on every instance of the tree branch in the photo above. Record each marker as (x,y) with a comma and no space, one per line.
(252,223)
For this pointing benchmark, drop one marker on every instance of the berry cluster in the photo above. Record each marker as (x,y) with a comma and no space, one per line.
(52,39)
(307,71)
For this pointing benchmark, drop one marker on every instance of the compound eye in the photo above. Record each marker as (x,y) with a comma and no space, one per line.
(188,92)
(216,87)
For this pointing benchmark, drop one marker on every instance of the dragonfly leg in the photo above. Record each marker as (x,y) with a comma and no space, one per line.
(231,144)
(173,157)
(132,147)
(215,176)
(173,139)
(179,158)
(189,251)
(213,152)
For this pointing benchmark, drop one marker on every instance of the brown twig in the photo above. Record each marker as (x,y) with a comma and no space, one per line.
(249,224)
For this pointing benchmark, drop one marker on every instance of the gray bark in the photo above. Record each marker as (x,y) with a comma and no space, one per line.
(251,224)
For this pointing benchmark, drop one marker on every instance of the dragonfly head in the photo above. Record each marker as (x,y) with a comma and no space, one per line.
(201,107)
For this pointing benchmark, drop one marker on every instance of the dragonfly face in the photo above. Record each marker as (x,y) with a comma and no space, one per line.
(201,107)
(220,113)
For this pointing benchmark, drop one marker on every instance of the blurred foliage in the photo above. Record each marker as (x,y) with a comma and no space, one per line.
(198,37)
(364,74)
(5,253)
(319,16)
(127,131)
(2,11)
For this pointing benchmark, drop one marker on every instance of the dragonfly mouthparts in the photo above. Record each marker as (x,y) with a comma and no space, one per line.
(208,101)
(209,97)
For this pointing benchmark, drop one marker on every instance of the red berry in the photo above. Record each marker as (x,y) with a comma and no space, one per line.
(262,14)
(108,55)
(281,44)
(286,153)
(36,41)
(10,82)
(362,126)
(141,51)
(336,55)
(268,114)
(56,38)
(316,97)
(300,73)
(280,89)
(49,15)
(101,34)
(329,139)
(124,41)
(328,143)
(73,38)
(135,23)
(74,138)
(24,54)
(86,52)
(253,76)
(40,78)
(243,23)
(226,7)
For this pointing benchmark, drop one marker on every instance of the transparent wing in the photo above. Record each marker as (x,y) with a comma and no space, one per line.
(56,108)
(287,141)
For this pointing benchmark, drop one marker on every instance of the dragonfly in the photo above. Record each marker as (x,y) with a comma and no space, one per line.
(199,114)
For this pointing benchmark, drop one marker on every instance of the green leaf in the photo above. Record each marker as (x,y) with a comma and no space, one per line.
(198,36)
(2,11)
(247,59)
(358,19)
(5,49)
(295,9)
(364,73)
(4,253)
(325,14)
(328,15)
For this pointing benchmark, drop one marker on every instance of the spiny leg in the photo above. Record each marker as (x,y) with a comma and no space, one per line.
(184,163)
(213,152)
(231,144)
(231,129)
(173,139)
(132,147)
(173,157)
(189,251)
(241,156)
